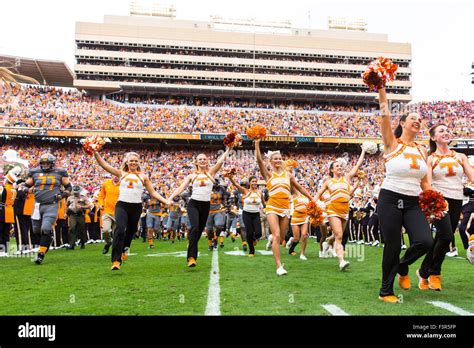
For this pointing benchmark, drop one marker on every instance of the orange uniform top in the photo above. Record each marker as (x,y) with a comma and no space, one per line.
(29,204)
(61,209)
(10,195)
(279,191)
(108,197)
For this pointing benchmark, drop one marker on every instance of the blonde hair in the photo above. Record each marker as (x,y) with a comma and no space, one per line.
(125,167)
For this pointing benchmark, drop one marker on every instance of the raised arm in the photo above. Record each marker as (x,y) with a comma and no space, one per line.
(322,190)
(354,187)
(389,140)
(106,166)
(300,188)
(154,194)
(240,188)
(181,187)
(467,168)
(220,162)
(261,164)
(355,169)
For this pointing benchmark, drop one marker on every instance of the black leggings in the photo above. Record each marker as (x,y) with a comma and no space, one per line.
(396,210)
(253,227)
(127,216)
(463,226)
(198,211)
(445,228)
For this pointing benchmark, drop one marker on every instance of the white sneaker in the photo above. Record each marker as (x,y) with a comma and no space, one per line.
(325,248)
(375,243)
(360,242)
(343,265)
(404,246)
(269,243)
(290,241)
(304,258)
(281,271)
(3,254)
(452,253)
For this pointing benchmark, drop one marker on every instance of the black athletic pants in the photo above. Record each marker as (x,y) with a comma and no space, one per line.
(397,210)
(253,227)
(198,211)
(127,216)
(445,228)
(463,226)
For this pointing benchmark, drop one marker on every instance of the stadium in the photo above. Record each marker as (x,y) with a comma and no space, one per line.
(168,93)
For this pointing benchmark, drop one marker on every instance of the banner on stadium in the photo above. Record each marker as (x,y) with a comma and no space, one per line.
(119,134)
(22,131)
(333,140)
(463,144)
(300,139)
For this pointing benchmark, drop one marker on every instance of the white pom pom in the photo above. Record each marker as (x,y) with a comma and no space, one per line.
(381,148)
(370,147)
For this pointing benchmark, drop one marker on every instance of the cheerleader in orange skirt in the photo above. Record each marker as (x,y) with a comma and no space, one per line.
(279,184)
(340,191)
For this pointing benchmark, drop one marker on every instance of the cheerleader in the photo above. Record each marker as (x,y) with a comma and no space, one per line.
(405,174)
(279,184)
(202,181)
(337,208)
(445,171)
(252,199)
(129,205)
(299,223)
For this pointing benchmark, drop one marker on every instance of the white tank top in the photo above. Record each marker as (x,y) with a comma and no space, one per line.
(131,188)
(404,169)
(447,175)
(252,202)
(202,187)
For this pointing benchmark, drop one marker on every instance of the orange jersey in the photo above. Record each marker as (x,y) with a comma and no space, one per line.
(279,192)
(108,197)
(9,200)
(29,204)
(62,209)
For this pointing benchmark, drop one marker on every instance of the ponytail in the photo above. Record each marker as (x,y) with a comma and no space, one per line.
(399,130)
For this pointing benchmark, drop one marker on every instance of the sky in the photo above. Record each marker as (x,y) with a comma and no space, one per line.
(441,32)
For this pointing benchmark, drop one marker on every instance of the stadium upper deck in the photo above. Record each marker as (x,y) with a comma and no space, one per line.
(166,56)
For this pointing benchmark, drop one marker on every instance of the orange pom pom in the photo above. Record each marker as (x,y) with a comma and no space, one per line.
(379,72)
(256,132)
(232,139)
(228,172)
(433,204)
(291,163)
(360,174)
(93,144)
(315,212)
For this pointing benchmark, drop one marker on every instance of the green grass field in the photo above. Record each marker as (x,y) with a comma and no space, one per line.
(80,282)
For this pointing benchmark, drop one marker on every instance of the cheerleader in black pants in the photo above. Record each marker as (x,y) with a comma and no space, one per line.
(129,205)
(445,171)
(405,173)
(202,181)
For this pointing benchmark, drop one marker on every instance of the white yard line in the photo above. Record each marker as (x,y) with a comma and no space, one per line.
(334,310)
(214,295)
(450,307)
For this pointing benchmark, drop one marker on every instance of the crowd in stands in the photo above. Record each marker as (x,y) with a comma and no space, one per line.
(51,108)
